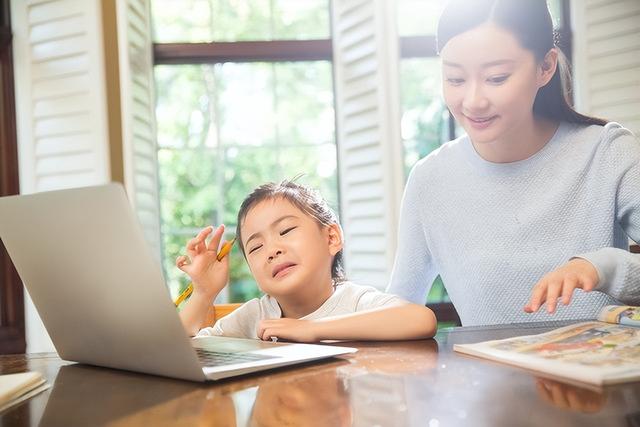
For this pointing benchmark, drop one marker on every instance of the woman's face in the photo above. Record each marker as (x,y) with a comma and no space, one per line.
(490,83)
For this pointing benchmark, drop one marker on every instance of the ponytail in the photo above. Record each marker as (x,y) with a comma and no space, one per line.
(553,100)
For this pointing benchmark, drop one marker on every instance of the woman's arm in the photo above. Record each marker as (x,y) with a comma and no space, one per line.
(413,269)
(613,271)
(619,270)
(619,273)
(400,322)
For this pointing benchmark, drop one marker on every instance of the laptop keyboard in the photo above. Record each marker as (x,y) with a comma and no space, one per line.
(219,358)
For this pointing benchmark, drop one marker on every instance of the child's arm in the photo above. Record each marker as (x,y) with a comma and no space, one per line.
(400,322)
(208,275)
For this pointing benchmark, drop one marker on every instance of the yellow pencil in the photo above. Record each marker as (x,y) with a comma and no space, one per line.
(226,248)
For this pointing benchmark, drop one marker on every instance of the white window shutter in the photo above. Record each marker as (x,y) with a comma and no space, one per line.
(60,108)
(607,59)
(138,116)
(366,62)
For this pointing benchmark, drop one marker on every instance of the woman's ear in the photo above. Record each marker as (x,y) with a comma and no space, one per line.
(547,67)
(336,243)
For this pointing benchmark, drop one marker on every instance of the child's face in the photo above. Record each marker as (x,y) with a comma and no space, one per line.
(287,250)
(490,82)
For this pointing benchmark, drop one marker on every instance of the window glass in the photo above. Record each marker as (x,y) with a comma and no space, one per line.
(225,129)
(425,118)
(194,21)
(418,17)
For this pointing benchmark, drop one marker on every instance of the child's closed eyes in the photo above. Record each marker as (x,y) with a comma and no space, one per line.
(282,233)
(287,230)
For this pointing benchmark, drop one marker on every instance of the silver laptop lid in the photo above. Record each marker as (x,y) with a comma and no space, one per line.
(94,281)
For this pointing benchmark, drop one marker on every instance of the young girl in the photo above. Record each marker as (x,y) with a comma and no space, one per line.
(536,201)
(292,242)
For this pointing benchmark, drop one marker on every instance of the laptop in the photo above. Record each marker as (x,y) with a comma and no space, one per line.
(102,297)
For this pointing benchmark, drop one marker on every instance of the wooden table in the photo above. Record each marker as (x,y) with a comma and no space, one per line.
(414,383)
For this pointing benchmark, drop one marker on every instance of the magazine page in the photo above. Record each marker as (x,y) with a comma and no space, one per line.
(622,314)
(593,352)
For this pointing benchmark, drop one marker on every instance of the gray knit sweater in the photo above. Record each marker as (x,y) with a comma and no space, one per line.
(492,230)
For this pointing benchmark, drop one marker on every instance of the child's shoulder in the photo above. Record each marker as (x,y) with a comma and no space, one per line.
(364,296)
(265,307)
(242,321)
(348,287)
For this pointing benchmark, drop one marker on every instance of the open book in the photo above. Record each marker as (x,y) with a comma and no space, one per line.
(601,352)
(16,388)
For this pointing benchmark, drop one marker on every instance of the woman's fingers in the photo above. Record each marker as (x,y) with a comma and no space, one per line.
(588,284)
(537,297)
(577,273)
(570,283)
(553,293)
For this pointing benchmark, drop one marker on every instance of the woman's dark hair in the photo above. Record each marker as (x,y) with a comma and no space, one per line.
(304,198)
(530,22)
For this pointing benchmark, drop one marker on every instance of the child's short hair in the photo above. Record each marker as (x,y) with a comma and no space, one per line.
(304,198)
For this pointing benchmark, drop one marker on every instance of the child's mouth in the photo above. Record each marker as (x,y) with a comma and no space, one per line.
(282,269)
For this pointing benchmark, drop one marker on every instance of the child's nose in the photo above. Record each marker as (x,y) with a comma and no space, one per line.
(276,254)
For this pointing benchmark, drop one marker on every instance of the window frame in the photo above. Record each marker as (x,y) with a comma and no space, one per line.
(242,51)
(12,323)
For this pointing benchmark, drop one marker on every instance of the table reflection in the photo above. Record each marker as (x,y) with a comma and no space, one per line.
(384,384)
(316,398)
(571,397)
(84,395)
(369,392)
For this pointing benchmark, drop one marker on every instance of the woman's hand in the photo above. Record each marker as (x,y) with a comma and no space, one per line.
(287,329)
(577,273)
(209,276)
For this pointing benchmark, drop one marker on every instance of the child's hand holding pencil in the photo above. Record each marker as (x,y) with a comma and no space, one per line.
(207,268)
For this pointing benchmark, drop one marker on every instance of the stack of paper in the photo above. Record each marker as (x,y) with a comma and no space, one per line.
(16,388)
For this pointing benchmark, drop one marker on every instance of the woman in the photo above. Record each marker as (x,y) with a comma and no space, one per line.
(536,201)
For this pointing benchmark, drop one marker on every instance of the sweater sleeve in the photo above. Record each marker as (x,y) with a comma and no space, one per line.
(618,269)
(413,270)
